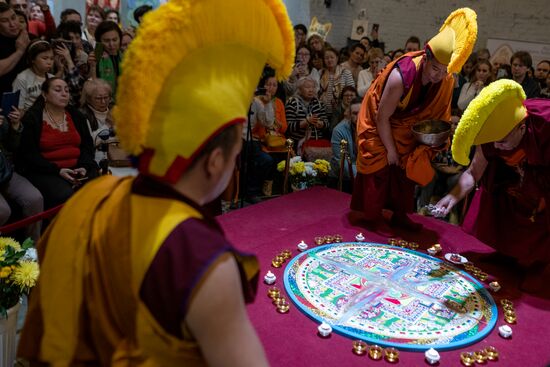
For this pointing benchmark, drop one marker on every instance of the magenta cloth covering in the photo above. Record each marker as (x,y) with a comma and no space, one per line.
(291,339)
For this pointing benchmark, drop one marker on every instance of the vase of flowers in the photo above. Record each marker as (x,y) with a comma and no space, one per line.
(18,274)
(303,175)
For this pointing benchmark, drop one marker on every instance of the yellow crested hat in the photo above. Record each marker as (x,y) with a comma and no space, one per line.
(489,117)
(191,72)
(456,39)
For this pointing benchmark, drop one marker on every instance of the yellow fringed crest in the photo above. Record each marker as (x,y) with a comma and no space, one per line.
(174,34)
(456,40)
(489,117)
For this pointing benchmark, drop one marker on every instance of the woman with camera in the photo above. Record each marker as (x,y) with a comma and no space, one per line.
(56,153)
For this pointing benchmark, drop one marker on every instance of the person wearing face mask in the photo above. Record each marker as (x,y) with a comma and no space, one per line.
(417,86)
(29,81)
(510,211)
(482,75)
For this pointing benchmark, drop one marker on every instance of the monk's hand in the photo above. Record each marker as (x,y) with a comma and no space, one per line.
(444,206)
(393,158)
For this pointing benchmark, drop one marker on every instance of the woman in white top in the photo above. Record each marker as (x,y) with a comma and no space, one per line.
(482,75)
(366,76)
(40,59)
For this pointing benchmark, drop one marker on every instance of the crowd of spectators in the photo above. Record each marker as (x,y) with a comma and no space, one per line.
(67,73)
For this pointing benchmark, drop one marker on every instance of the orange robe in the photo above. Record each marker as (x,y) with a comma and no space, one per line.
(376,183)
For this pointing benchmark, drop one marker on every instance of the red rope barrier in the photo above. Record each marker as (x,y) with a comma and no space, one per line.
(29,220)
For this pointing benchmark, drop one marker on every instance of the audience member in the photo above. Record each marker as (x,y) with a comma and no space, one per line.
(127,38)
(353,64)
(56,153)
(521,61)
(29,82)
(483,55)
(41,22)
(542,72)
(94,17)
(342,109)
(302,67)
(333,79)
(94,105)
(412,44)
(316,42)
(300,35)
(108,67)
(397,54)
(304,110)
(345,130)
(113,16)
(366,76)
(317,58)
(482,75)
(17,188)
(71,15)
(141,11)
(13,44)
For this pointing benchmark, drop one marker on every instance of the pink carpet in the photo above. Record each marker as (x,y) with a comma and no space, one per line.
(291,339)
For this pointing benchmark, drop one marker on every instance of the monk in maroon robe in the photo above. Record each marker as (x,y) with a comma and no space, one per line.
(510,209)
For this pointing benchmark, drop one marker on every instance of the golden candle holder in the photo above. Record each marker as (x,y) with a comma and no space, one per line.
(273,292)
(359,347)
(319,240)
(391,355)
(508,308)
(482,276)
(492,353)
(375,352)
(511,319)
(392,241)
(480,356)
(506,302)
(402,243)
(279,301)
(338,238)
(283,308)
(467,358)
(276,264)
(413,245)
(329,239)
(437,247)
(287,254)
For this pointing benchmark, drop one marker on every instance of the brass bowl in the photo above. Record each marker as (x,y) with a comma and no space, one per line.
(431,132)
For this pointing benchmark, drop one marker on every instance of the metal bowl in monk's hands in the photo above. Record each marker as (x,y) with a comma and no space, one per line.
(432,132)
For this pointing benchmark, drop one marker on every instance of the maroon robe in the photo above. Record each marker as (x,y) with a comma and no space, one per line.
(509,212)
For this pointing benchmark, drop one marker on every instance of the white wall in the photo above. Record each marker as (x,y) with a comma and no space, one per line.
(298,10)
(527,20)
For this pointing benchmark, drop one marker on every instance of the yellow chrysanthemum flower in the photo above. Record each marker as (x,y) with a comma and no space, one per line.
(281,166)
(26,274)
(9,242)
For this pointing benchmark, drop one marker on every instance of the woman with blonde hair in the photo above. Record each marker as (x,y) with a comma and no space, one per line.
(366,76)
(480,77)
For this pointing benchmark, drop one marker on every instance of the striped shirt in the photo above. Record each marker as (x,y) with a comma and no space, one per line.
(297,110)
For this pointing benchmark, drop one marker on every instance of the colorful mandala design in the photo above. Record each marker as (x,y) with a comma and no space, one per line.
(390,296)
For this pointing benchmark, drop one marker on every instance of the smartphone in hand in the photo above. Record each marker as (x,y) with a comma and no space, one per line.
(98,51)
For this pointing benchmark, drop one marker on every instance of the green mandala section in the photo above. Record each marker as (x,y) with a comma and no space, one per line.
(390,296)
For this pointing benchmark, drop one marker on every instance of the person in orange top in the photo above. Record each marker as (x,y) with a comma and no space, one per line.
(417,86)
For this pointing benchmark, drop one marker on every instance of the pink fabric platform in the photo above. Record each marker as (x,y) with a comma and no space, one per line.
(291,339)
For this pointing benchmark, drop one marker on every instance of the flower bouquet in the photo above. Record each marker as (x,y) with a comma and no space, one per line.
(18,272)
(305,174)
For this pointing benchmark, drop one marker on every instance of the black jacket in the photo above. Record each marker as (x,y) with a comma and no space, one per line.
(29,157)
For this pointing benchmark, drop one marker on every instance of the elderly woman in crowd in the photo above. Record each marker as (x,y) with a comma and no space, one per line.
(56,153)
(333,79)
(304,110)
(94,104)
